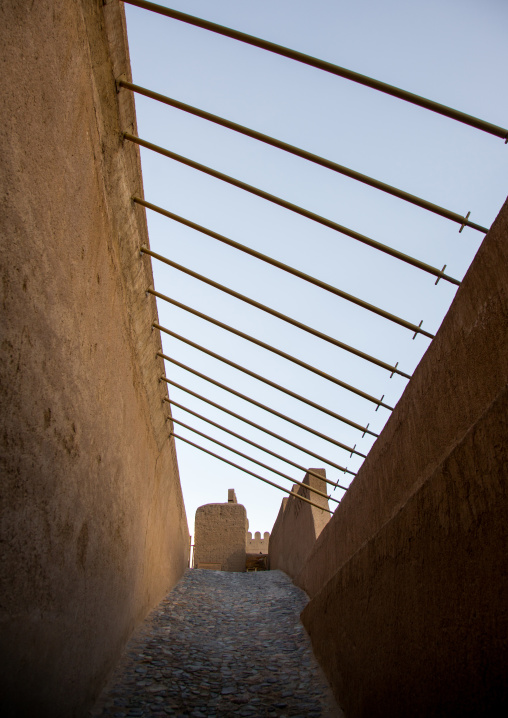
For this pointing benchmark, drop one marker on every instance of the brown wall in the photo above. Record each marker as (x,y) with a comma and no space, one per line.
(460,375)
(410,577)
(256,544)
(219,536)
(298,525)
(94,531)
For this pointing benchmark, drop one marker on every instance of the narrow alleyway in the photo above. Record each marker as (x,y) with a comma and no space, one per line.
(222,644)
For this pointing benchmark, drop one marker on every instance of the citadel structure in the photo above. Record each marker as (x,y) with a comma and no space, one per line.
(220,531)
(407,581)
(221,541)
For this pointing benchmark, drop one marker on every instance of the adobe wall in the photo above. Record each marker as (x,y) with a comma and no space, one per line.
(94,531)
(298,525)
(256,544)
(409,579)
(219,539)
(463,371)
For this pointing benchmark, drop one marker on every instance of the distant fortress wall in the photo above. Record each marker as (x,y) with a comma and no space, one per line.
(257,544)
(221,541)
(94,531)
(220,530)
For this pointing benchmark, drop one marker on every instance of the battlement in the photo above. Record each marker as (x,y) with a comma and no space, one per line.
(257,544)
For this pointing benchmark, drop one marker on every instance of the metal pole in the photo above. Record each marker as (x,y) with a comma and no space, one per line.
(256,426)
(294,395)
(328,287)
(255,461)
(270,260)
(261,406)
(252,443)
(316,159)
(261,344)
(327,67)
(289,205)
(279,315)
(266,481)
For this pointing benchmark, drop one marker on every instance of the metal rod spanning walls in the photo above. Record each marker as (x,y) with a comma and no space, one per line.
(294,395)
(255,461)
(256,426)
(237,466)
(327,67)
(322,285)
(463,221)
(293,208)
(269,409)
(266,258)
(279,315)
(263,345)
(252,443)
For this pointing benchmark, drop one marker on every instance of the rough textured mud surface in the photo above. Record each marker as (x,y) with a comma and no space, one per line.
(298,526)
(222,644)
(93,528)
(219,536)
(408,581)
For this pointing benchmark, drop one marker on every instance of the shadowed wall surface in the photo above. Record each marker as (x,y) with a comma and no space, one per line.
(298,525)
(409,579)
(94,531)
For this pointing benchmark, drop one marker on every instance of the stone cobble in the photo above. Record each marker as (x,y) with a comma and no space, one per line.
(221,644)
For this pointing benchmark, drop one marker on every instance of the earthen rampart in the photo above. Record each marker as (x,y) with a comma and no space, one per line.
(409,578)
(94,531)
(298,525)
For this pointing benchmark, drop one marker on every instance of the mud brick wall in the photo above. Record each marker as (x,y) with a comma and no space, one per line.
(298,526)
(256,544)
(94,531)
(409,579)
(219,538)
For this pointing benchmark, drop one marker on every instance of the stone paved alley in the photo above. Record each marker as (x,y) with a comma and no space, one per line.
(222,644)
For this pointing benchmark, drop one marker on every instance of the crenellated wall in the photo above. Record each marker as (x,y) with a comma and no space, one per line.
(94,531)
(256,544)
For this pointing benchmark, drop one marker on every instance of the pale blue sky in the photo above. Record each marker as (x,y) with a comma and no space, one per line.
(451,51)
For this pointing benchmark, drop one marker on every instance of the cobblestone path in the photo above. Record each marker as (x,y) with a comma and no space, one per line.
(222,644)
